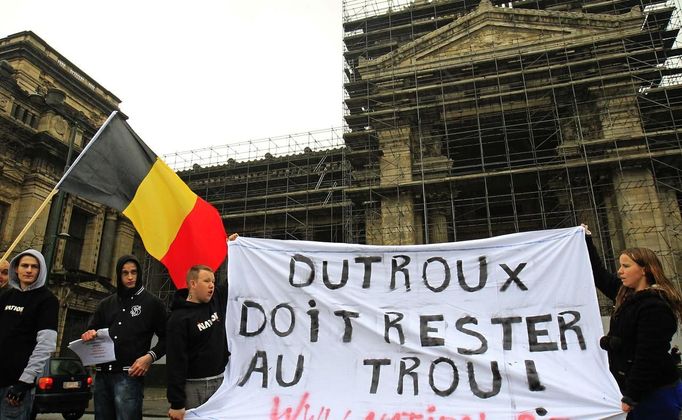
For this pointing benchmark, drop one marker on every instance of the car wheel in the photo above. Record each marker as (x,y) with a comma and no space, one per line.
(73,415)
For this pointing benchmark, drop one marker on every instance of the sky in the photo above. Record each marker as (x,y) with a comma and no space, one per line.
(193,74)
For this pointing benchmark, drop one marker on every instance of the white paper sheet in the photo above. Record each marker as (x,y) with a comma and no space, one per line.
(96,351)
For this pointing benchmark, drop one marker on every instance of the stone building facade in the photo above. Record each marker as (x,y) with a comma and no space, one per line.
(49,110)
(474,119)
(495,118)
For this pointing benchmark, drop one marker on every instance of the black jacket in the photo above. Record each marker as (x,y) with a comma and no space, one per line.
(197,342)
(28,325)
(640,332)
(133,316)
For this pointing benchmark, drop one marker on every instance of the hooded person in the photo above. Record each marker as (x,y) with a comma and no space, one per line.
(28,316)
(132,316)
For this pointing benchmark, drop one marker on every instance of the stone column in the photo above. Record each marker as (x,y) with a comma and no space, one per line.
(397,220)
(35,189)
(577,121)
(62,294)
(395,165)
(641,213)
(397,208)
(92,241)
(125,236)
(105,264)
(419,234)
(438,226)
(373,234)
(673,231)
(622,121)
(7,234)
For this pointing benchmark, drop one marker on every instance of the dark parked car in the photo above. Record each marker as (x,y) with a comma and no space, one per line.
(64,387)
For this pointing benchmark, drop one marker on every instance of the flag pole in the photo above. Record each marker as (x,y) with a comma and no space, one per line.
(56,188)
(30,223)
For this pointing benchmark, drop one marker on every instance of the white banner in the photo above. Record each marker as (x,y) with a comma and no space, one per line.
(498,328)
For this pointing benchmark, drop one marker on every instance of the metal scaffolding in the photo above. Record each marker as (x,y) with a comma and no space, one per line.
(469,119)
(513,116)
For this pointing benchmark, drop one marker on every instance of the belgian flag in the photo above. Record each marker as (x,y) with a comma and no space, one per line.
(177,227)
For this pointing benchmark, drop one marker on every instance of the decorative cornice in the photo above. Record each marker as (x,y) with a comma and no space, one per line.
(52,65)
(547,26)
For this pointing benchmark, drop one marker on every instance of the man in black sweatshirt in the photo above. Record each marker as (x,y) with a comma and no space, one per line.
(28,332)
(132,316)
(197,350)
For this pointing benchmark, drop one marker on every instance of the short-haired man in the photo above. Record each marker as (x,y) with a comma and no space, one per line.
(197,351)
(4,276)
(28,333)
(132,316)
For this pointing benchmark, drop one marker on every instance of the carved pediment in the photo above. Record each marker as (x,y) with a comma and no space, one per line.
(490,30)
(486,38)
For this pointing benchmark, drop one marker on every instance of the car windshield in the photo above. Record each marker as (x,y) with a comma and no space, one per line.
(66,367)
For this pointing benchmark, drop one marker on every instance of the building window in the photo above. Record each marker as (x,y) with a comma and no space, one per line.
(24,115)
(74,244)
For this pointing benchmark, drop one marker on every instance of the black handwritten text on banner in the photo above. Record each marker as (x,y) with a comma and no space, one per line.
(504,327)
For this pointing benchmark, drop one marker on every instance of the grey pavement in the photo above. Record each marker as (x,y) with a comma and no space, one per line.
(154,407)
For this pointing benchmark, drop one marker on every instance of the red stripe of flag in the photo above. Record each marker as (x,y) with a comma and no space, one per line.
(197,242)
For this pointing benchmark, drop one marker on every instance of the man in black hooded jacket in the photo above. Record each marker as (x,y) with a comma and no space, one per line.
(197,353)
(132,316)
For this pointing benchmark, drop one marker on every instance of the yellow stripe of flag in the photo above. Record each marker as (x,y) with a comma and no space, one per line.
(161,203)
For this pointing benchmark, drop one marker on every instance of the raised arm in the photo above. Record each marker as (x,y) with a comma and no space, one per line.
(608,283)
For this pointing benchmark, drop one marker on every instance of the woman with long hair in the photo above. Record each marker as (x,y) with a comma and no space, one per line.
(646,312)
